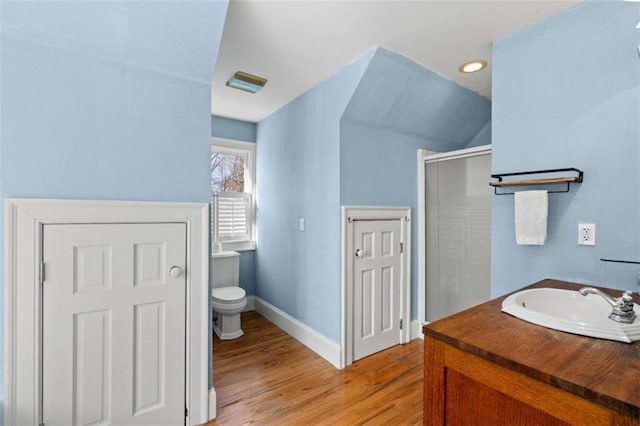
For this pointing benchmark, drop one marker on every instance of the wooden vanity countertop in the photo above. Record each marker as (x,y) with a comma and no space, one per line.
(602,371)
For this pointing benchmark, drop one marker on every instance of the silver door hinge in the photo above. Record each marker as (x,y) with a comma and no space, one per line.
(400,323)
(401,247)
(42,272)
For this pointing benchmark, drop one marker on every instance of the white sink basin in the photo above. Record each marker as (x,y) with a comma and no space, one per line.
(569,311)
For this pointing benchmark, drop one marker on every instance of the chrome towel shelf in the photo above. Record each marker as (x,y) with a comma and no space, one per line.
(554,180)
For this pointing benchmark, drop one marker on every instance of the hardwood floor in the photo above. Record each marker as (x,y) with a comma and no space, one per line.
(268,378)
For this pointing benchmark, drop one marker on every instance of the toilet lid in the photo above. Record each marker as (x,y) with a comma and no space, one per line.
(227,294)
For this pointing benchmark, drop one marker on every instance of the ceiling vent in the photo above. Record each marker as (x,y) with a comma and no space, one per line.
(247,82)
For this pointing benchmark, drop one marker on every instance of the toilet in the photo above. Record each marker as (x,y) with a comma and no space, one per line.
(228,299)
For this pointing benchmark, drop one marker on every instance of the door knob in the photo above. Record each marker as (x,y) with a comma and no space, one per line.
(359,253)
(175,271)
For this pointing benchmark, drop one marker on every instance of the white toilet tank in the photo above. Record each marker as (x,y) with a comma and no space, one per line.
(226,269)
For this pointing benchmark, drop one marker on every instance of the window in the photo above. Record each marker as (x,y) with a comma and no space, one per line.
(232,189)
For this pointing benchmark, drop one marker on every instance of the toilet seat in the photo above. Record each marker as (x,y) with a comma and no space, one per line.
(229,295)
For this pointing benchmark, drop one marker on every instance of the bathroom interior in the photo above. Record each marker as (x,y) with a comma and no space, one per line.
(565,93)
(552,106)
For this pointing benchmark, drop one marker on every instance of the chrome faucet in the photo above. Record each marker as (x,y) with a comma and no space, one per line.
(622,306)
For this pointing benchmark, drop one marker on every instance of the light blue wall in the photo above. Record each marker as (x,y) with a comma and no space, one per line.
(229,128)
(107,100)
(326,149)
(298,175)
(398,108)
(566,93)
(247,275)
(482,138)
(378,168)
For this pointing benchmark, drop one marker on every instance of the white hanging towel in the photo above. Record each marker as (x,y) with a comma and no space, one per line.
(531,209)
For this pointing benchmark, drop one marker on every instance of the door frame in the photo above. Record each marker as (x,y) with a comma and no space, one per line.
(425,157)
(351,214)
(24,222)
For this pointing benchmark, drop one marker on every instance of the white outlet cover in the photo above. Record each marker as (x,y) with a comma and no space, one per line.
(587,234)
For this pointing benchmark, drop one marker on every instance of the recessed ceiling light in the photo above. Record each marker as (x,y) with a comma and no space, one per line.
(472,66)
(247,82)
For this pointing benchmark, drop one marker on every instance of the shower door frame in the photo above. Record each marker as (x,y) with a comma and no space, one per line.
(425,157)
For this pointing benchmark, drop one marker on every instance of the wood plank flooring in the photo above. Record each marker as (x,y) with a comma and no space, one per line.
(268,378)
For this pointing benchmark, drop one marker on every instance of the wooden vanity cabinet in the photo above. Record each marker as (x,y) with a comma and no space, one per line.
(484,367)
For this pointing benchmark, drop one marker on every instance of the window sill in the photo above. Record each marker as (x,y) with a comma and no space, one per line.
(238,246)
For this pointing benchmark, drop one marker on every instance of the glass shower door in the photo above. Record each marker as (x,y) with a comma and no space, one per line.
(458,234)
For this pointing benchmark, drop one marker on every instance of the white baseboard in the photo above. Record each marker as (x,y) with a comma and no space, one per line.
(416,330)
(212,404)
(326,348)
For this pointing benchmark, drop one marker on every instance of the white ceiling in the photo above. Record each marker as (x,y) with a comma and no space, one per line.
(297,44)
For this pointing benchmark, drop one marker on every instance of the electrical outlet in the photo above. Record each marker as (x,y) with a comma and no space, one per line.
(587,234)
(301,224)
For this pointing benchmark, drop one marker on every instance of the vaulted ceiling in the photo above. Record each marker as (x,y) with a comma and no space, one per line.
(297,44)
(397,94)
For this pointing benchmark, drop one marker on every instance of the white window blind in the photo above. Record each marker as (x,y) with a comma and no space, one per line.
(233,216)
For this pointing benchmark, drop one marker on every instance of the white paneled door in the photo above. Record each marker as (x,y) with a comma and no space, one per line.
(113,349)
(376,292)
